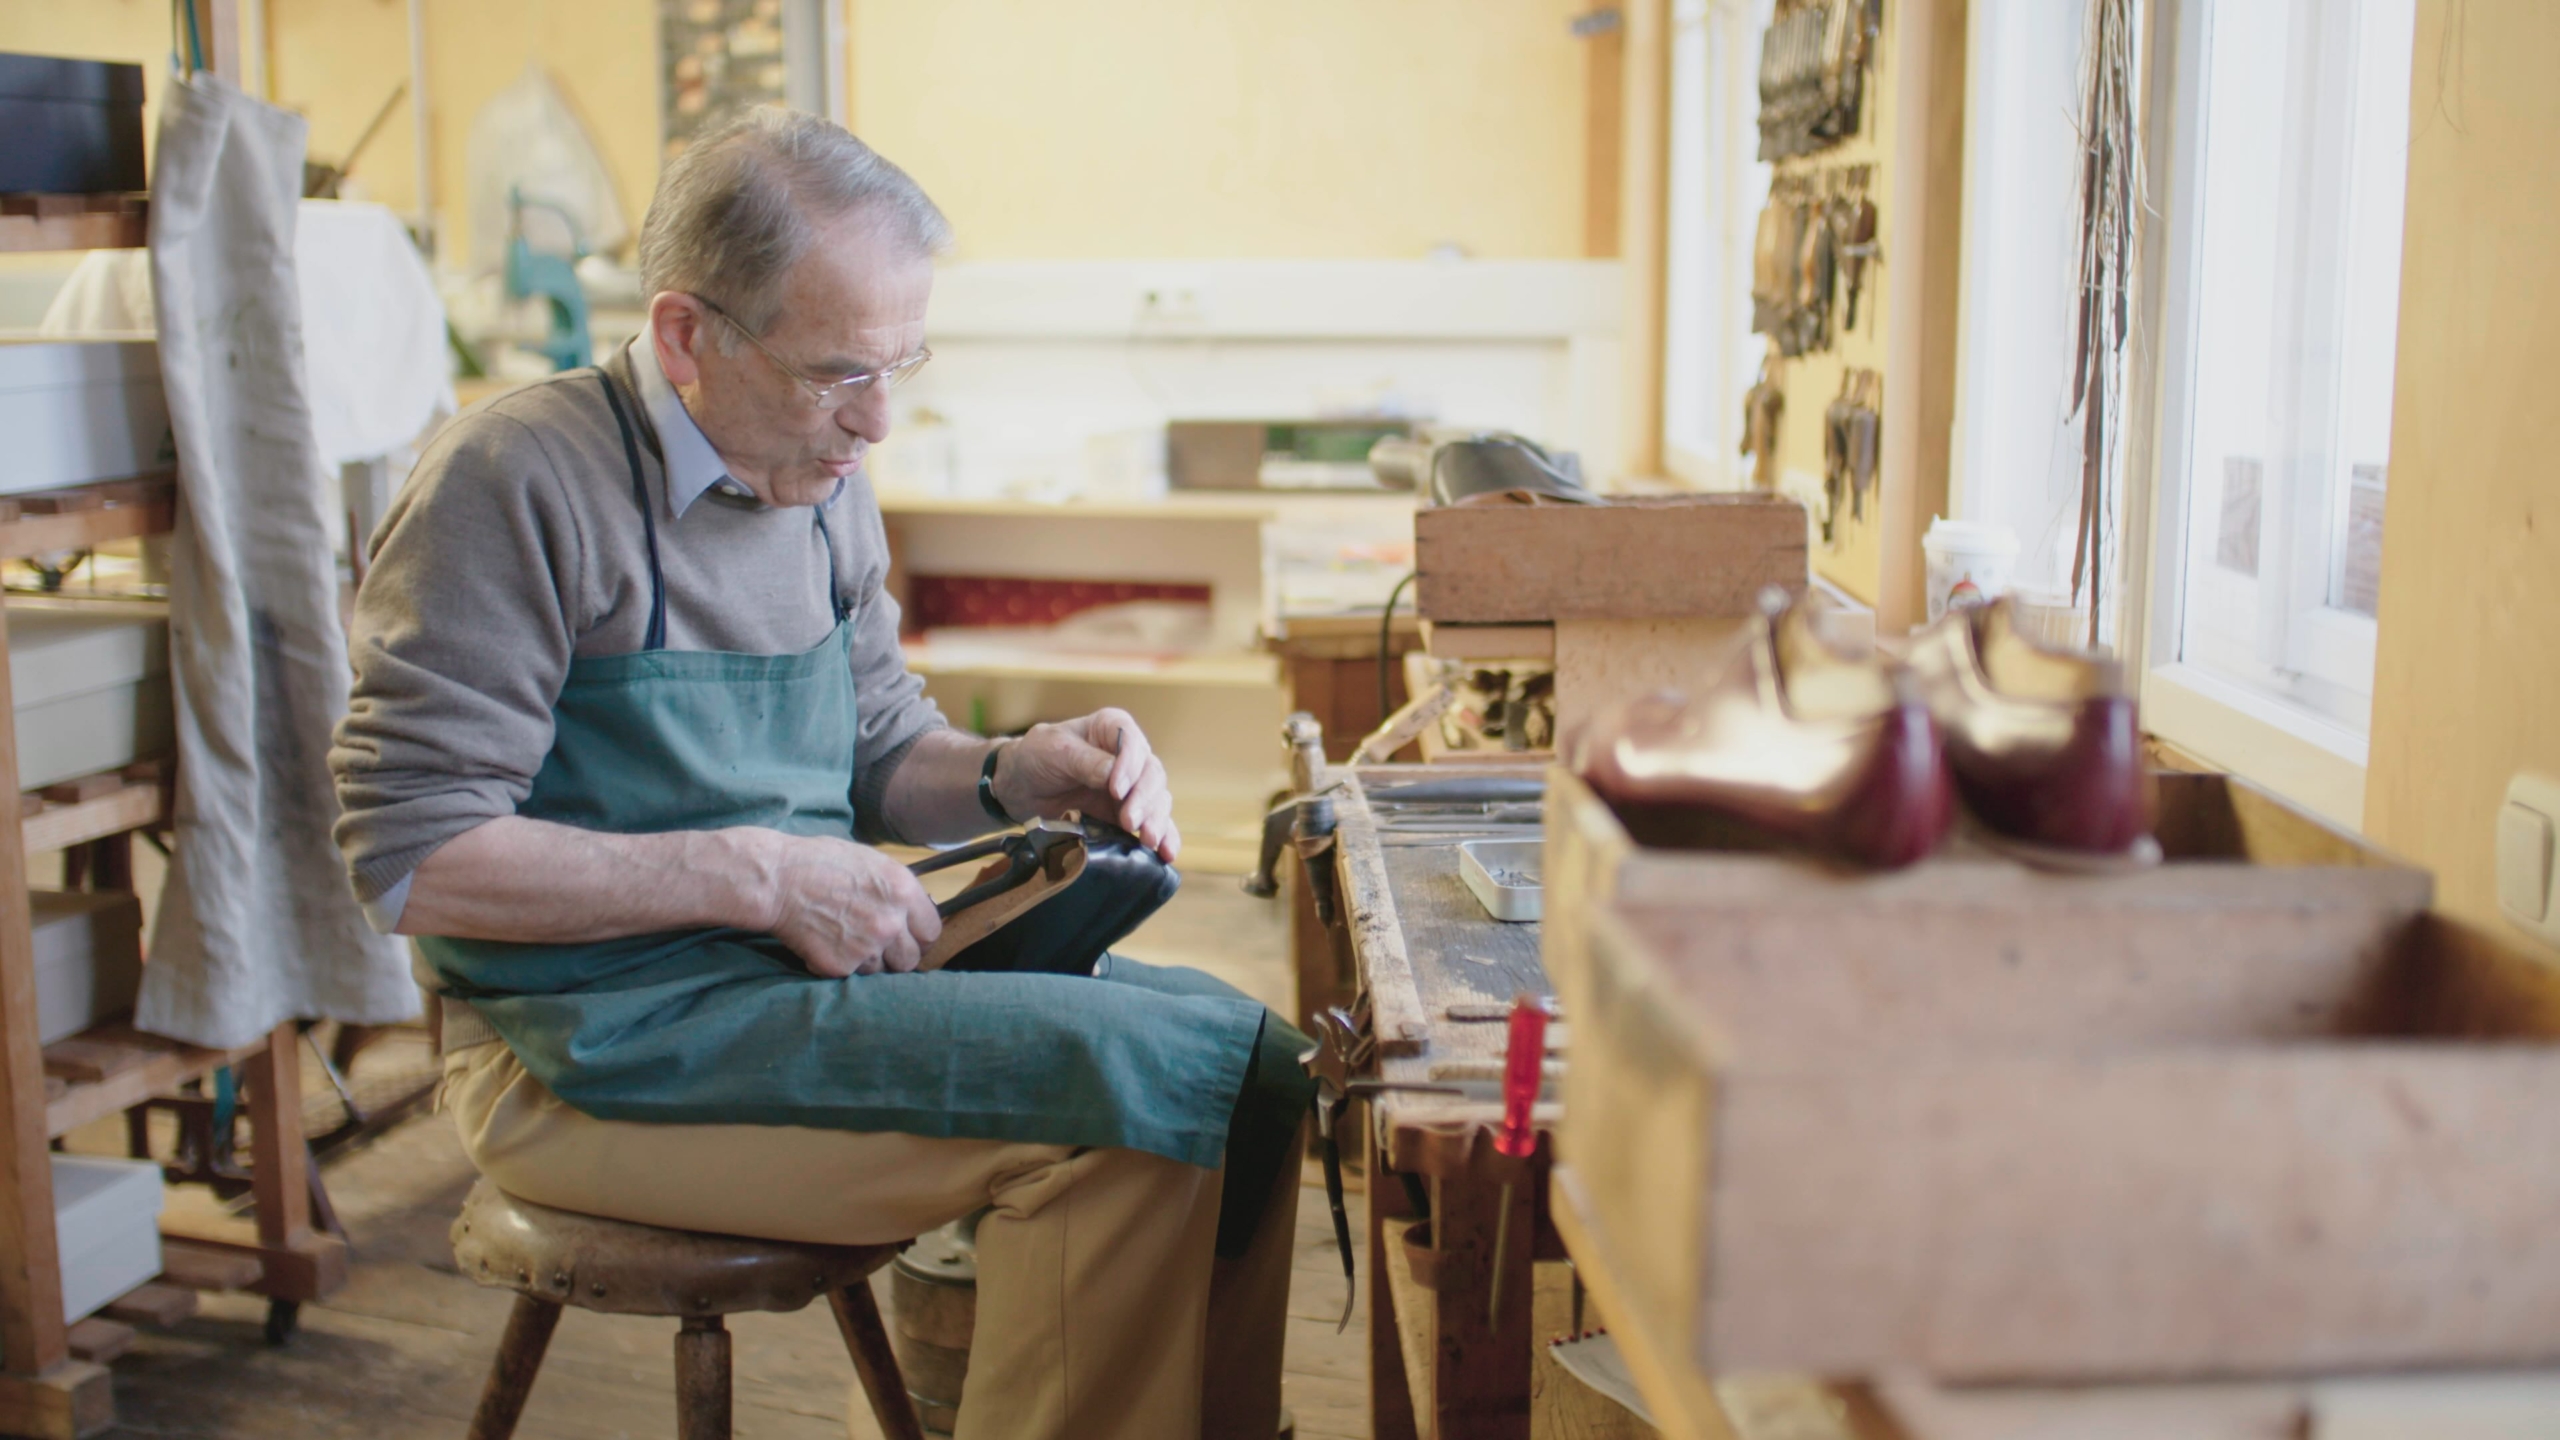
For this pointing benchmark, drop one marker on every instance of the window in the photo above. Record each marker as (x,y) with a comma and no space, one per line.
(1716,184)
(2286,131)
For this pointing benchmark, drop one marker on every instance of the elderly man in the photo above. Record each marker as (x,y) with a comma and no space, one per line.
(629,703)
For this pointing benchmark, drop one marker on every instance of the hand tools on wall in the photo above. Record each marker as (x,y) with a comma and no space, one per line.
(1817,228)
(1813,62)
(1852,434)
(1763,405)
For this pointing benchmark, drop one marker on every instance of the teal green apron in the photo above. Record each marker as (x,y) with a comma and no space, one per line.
(728,1027)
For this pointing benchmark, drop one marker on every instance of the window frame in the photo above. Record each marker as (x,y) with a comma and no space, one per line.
(1703,350)
(2309,758)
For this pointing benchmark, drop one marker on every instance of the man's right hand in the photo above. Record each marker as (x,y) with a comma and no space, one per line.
(847,909)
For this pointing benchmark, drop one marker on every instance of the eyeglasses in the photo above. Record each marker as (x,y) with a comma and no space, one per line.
(827,394)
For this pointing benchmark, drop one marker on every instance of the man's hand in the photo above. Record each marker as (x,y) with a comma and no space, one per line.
(1100,766)
(846,909)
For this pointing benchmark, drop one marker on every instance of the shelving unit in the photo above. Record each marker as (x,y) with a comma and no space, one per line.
(47,1091)
(72,222)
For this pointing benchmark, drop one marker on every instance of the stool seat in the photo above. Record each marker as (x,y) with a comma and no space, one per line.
(621,1268)
(555,1258)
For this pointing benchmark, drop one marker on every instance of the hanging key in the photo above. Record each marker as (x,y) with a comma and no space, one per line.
(1854,256)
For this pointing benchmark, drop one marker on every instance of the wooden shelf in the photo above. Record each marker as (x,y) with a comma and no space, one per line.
(131,805)
(1244,670)
(73,222)
(84,517)
(105,1069)
(1255,505)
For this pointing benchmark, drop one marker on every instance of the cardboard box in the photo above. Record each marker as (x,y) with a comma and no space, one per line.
(80,411)
(2244,1113)
(1636,558)
(106,1220)
(88,958)
(91,683)
(74,126)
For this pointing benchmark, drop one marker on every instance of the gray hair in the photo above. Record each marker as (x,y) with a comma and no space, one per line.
(742,204)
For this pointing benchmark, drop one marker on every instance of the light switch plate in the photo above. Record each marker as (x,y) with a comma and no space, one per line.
(2528,834)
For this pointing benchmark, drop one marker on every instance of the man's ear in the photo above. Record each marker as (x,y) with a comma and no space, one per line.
(679,328)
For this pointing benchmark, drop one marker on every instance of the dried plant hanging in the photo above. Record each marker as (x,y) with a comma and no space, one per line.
(2110,212)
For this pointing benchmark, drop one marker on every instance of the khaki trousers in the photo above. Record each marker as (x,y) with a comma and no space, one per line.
(1102,1312)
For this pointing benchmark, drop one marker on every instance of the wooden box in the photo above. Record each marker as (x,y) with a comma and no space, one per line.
(1983,1124)
(1636,558)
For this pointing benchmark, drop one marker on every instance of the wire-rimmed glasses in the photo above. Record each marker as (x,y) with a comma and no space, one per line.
(827,394)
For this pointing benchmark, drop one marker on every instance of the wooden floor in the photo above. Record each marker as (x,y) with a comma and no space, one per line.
(399,1353)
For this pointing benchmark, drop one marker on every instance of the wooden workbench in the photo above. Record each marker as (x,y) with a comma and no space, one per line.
(1442,1362)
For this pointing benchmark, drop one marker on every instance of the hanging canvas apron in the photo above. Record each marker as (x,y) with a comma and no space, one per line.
(727,1027)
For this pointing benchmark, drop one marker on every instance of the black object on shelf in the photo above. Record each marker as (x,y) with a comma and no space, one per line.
(74,126)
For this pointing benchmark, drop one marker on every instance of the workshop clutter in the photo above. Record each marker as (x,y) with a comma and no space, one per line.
(1796,743)
(1813,73)
(1852,437)
(1809,255)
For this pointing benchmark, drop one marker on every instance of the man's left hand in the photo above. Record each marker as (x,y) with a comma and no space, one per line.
(1100,766)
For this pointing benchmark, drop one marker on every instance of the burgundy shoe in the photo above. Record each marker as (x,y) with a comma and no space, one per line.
(1793,740)
(2045,745)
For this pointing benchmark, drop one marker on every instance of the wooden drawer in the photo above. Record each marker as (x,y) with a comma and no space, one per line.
(1978,1123)
(1636,558)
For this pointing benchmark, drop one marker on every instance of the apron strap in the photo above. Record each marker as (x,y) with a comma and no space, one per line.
(657,636)
(827,541)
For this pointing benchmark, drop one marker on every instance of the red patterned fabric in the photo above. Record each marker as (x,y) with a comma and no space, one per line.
(936,601)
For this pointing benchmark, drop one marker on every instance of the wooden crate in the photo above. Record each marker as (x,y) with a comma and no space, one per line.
(1636,558)
(1982,1124)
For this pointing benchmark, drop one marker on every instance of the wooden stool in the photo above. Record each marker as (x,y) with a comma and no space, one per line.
(552,1258)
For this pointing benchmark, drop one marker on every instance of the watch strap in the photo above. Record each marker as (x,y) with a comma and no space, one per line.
(987,783)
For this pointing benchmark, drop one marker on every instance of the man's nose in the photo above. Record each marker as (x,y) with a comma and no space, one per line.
(866,414)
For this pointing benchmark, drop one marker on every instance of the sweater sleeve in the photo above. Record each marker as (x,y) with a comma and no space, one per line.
(892,709)
(462,636)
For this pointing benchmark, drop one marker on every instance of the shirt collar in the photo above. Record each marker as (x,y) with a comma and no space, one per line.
(692,465)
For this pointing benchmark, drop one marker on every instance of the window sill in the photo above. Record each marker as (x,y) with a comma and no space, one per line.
(2314,762)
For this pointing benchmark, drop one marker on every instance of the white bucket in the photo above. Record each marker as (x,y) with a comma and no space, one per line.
(1969,563)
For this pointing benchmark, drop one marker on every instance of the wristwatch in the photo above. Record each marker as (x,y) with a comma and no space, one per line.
(987,784)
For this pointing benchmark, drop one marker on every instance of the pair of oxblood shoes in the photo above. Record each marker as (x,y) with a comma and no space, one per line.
(1863,759)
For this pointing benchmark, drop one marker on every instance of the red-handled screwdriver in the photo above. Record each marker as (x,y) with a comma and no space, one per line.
(1523,1070)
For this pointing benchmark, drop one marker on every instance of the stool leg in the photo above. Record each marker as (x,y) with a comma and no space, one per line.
(511,1374)
(702,1379)
(867,1340)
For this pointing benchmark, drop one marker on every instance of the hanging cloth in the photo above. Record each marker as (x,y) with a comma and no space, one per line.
(256,924)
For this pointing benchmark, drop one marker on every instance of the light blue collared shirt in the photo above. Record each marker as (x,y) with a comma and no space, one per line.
(692,465)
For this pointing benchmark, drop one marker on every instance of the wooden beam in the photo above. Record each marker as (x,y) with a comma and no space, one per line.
(1926,184)
(218,26)
(32,1339)
(1604,123)
(280,1160)
(66,1402)
(124,808)
(309,1268)
(99,1341)
(1643,209)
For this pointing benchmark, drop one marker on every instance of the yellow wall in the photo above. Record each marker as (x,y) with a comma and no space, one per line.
(1103,128)
(335,60)
(1233,127)
(2467,681)
(1209,128)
